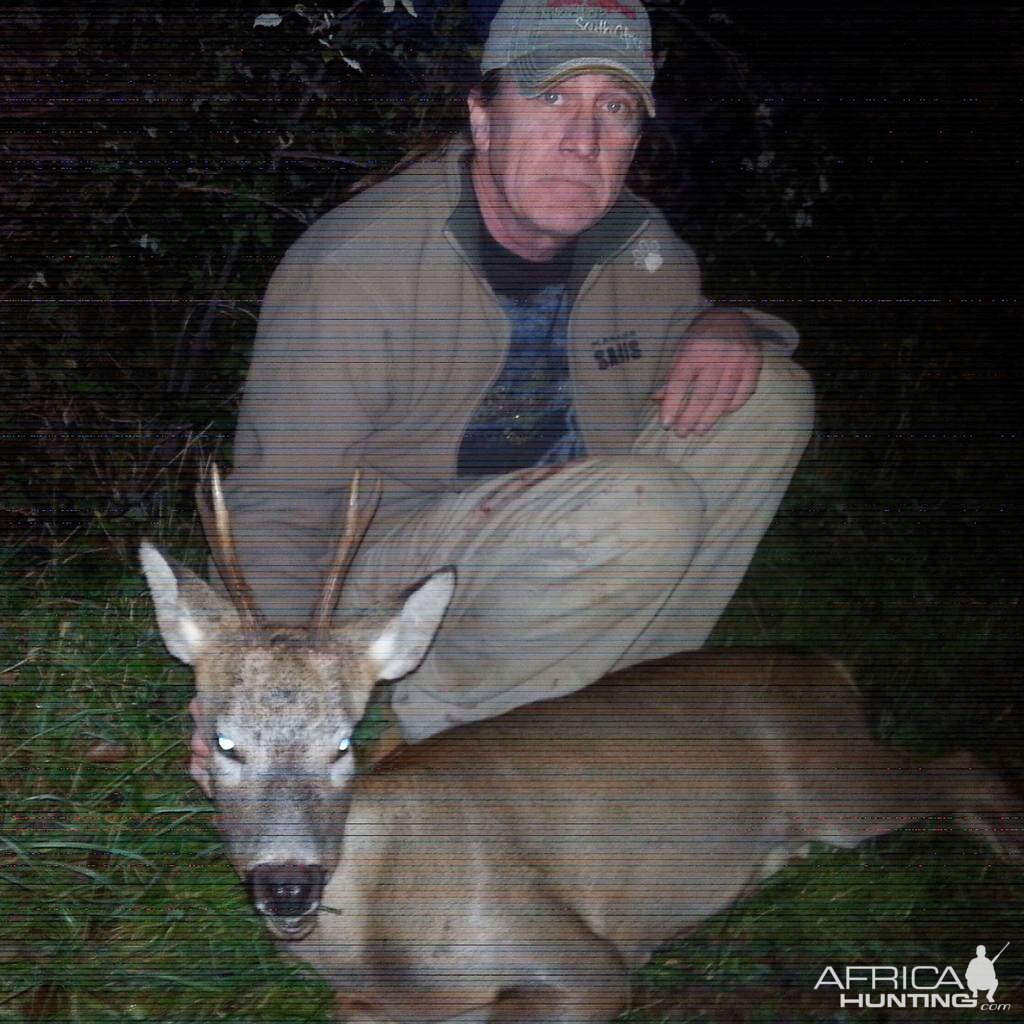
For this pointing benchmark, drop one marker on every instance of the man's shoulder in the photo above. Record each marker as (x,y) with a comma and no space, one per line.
(655,253)
(401,211)
(658,229)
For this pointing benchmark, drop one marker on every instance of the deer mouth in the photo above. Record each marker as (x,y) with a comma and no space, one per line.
(290,929)
(287,896)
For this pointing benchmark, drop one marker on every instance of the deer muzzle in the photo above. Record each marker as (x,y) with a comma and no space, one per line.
(288,896)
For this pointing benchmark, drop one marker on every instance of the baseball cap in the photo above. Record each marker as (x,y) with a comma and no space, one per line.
(543,41)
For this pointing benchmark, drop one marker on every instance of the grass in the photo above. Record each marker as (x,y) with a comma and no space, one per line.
(115,901)
(909,899)
(117,905)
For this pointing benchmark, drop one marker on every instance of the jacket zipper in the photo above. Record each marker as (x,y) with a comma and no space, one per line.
(506,344)
(591,277)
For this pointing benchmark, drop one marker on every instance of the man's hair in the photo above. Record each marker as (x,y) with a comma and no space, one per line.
(435,143)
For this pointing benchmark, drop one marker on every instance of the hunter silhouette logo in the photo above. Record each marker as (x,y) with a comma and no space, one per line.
(921,987)
(981,974)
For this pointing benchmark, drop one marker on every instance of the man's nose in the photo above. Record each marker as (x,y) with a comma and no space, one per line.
(582,135)
(286,890)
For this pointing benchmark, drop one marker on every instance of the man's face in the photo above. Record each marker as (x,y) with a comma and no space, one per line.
(547,168)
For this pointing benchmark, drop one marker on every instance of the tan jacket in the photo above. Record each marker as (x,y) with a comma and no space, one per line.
(378,337)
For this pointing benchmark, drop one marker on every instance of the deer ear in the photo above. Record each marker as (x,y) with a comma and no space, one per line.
(403,643)
(188,611)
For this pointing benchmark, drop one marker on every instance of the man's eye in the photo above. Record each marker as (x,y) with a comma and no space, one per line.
(551,98)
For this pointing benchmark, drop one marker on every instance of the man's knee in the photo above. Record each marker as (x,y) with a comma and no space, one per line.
(645,503)
(784,398)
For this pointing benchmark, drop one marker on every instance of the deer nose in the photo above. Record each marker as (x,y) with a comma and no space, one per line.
(286,890)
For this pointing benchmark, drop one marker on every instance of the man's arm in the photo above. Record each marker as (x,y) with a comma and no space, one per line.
(315,389)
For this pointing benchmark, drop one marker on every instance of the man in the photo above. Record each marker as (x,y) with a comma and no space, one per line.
(520,349)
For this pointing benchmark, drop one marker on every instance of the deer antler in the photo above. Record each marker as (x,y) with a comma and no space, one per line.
(217,527)
(356,524)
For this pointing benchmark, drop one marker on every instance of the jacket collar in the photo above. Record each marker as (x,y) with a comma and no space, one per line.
(596,246)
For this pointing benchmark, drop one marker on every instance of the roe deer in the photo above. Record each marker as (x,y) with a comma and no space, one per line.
(518,869)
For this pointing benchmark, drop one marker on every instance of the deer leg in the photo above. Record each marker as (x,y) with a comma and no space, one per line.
(866,797)
(348,1016)
(355,1011)
(579,978)
(595,1002)
(986,805)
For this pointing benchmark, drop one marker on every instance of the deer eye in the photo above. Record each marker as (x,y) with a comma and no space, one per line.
(344,746)
(226,745)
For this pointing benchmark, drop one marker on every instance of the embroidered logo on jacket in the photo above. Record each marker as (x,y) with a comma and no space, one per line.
(617,349)
(647,255)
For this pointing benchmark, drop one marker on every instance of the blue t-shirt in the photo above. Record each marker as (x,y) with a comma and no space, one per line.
(526,418)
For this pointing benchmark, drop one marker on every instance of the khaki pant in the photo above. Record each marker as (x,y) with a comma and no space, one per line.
(566,574)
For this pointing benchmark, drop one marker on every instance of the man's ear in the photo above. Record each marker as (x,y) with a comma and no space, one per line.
(479,122)
(188,611)
(404,641)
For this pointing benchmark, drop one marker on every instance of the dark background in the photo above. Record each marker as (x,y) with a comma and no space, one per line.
(854,168)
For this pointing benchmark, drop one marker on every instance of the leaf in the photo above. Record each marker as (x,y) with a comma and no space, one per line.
(106,752)
(267,21)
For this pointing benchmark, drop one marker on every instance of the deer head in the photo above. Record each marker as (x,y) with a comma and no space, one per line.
(281,705)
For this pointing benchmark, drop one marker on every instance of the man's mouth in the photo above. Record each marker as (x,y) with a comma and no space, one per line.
(564,179)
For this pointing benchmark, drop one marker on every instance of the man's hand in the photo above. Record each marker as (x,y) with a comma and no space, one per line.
(199,768)
(716,370)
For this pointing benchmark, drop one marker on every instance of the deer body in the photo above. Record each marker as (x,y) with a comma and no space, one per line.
(517,869)
(520,868)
